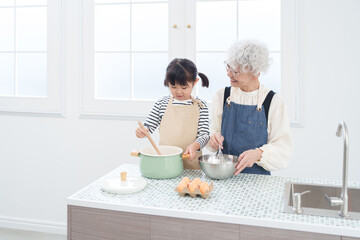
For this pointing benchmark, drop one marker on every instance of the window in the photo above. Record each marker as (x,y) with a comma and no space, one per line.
(128,46)
(219,23)
(131,43)
(126,52)
(30,56)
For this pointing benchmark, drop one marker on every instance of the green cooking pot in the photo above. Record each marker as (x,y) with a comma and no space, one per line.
(167,165)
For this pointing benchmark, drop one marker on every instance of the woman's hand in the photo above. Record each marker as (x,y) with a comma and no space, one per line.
(215,140)
(192,149)
(141,133)
(247,159)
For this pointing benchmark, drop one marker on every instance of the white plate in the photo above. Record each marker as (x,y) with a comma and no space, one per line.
(114,185)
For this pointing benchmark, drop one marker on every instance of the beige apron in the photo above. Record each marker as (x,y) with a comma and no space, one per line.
(179,127)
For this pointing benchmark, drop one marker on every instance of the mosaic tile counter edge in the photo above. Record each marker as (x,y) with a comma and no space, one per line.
(245,199)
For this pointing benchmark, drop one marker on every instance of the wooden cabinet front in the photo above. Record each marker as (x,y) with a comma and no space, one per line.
(97,224)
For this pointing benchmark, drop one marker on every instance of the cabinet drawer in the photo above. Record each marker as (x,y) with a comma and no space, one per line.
(96,224)
(179,229)
(255,233)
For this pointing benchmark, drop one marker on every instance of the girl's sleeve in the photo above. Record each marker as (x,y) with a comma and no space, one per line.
(203,134)
(153,120)
(279,148)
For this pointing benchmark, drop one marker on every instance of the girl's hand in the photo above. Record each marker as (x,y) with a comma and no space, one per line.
(192,149)
(215,140)
(247,159)
(141,133)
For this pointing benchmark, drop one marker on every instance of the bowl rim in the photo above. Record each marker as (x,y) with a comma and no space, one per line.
(227,162)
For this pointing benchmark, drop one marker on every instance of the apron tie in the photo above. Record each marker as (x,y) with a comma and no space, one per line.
(259,104)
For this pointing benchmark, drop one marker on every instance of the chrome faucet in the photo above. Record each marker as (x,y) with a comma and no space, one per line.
(343,200)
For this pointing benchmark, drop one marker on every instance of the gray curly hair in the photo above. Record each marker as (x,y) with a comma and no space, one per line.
(250,55)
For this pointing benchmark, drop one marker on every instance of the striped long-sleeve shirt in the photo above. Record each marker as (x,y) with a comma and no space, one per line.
(158,110)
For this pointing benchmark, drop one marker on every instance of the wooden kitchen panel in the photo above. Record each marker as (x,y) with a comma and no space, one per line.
(179,229)
(255,233)
(98,224)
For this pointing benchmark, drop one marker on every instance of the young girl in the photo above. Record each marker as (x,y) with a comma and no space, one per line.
(182,120)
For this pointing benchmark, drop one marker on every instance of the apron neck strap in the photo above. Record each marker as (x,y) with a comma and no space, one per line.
(200,104)
(259,104)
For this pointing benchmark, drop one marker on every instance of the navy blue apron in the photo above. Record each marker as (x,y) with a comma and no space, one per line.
(244,127)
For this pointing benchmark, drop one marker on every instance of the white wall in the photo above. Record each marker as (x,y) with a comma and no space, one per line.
(46,159)
(330,83)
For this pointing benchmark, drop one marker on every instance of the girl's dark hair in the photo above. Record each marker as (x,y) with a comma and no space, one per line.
(182,71)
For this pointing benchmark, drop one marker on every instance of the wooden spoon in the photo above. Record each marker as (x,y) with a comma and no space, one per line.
(150,139)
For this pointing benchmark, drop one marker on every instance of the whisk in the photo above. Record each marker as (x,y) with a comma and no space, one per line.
(220,156)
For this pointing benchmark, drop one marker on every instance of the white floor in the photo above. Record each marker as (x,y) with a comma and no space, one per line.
(10,234)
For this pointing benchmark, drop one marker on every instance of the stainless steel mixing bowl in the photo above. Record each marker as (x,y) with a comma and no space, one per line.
(214,168)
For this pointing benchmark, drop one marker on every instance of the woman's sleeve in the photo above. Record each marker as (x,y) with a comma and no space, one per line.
(279,148)
(203,134)
(153,120)
(216,114)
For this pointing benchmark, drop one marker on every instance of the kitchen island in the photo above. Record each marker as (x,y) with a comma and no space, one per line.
(243,207)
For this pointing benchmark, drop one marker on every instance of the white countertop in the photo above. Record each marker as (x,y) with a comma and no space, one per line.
(247,199)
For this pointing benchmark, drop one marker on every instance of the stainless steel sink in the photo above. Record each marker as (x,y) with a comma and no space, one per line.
(315,203)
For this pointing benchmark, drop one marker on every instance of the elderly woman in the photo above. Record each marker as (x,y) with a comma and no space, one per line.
(248,119)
